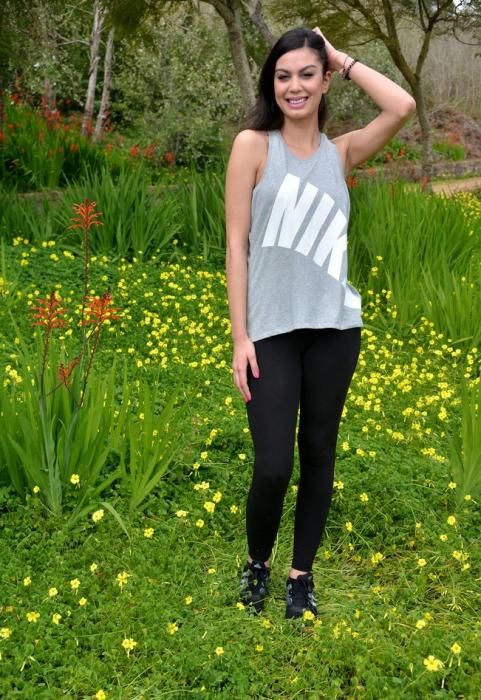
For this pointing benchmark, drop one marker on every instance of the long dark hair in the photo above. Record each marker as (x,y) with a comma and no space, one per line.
(266,115)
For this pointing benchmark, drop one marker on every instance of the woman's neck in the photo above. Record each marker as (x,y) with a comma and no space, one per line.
(300,136)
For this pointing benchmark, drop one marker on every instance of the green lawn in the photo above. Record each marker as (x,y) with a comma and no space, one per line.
(397,575)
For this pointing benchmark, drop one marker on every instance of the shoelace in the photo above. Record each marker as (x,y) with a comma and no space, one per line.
(302,591)
(256,575)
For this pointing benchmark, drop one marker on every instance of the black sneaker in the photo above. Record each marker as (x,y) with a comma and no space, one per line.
(254,584)
(300,595)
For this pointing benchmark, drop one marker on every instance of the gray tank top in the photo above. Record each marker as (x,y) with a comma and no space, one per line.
(297,257)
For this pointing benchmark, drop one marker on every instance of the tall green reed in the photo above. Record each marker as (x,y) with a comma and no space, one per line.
(418,236)
(203,215)
(465,445)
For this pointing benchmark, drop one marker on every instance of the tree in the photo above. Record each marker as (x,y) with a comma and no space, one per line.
(97,25)
(367,20)
(107,83)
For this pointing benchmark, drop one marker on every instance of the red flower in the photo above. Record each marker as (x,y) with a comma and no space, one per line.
(48,313)
(65,372)
(149,151)
(169,157)
(74,147)
(134,151)
(99,309)
(352,181)
(87,217)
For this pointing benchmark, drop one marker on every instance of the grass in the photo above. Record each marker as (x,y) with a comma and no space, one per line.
(397,574)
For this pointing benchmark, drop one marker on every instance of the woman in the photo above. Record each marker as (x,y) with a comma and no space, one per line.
(295,321)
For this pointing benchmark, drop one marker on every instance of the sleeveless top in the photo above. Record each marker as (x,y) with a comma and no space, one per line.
(297,256)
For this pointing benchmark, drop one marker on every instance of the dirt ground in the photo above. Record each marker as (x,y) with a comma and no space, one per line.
(451,186)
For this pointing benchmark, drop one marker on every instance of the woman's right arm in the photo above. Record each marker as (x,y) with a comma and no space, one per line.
(240,181)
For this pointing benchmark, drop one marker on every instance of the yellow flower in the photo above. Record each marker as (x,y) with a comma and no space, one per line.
(5,632)
(211,570)
(420,624)
(209,506)
(451,520)
(422,562)
(204,455)
(242,456)
(182,513)
(433,664)
(33,616)
(149,532)
(196,466)
(93,567)
(98,515)
(100,695)
(234,509)
(52,592)
(74,584)
(36,489)
(217,497)
(452,485)
(27,581)
(172,627)
(75,479)
(128,645)
(308,615)
(468,497)
(259,647)
(188,599)
(219,651)
(56,617)
(364,497)
(122,578)
(443,538)
(455,648)
(240,605)
(348,526)
(377,558)
(83,601)
(199,523)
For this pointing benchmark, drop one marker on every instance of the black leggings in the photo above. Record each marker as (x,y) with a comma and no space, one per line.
(311,368)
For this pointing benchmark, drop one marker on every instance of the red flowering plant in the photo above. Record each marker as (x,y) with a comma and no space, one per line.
(59,421)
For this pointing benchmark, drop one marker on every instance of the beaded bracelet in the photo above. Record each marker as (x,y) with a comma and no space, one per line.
(345,73)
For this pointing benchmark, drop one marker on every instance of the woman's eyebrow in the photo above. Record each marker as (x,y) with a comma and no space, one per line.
(284,70)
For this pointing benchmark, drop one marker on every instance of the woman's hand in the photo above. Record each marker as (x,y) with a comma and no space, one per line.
(244,354)
(335,58)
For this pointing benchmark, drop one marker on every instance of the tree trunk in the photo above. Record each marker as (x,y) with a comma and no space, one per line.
(230,11)
(2,107)
(257,17)
(98,22)
(49,97)
(105,101)
(427,156)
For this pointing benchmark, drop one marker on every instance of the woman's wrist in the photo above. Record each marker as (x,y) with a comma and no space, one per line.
(340,61)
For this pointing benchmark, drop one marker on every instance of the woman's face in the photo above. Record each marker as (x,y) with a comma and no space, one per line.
(299,83)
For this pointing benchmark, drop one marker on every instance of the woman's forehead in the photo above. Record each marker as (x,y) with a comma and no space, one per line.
(297,59)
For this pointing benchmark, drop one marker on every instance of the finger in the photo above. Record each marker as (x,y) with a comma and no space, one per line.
(242,385)
(254,366)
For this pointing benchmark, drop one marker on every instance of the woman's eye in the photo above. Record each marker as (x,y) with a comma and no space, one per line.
(304,75)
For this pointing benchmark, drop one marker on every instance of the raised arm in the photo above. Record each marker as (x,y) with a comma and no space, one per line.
(395,103)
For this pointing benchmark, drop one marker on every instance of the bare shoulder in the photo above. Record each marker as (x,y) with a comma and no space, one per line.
(250,151)
(252,144)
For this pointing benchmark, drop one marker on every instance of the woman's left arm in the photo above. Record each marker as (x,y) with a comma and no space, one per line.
(395,103)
